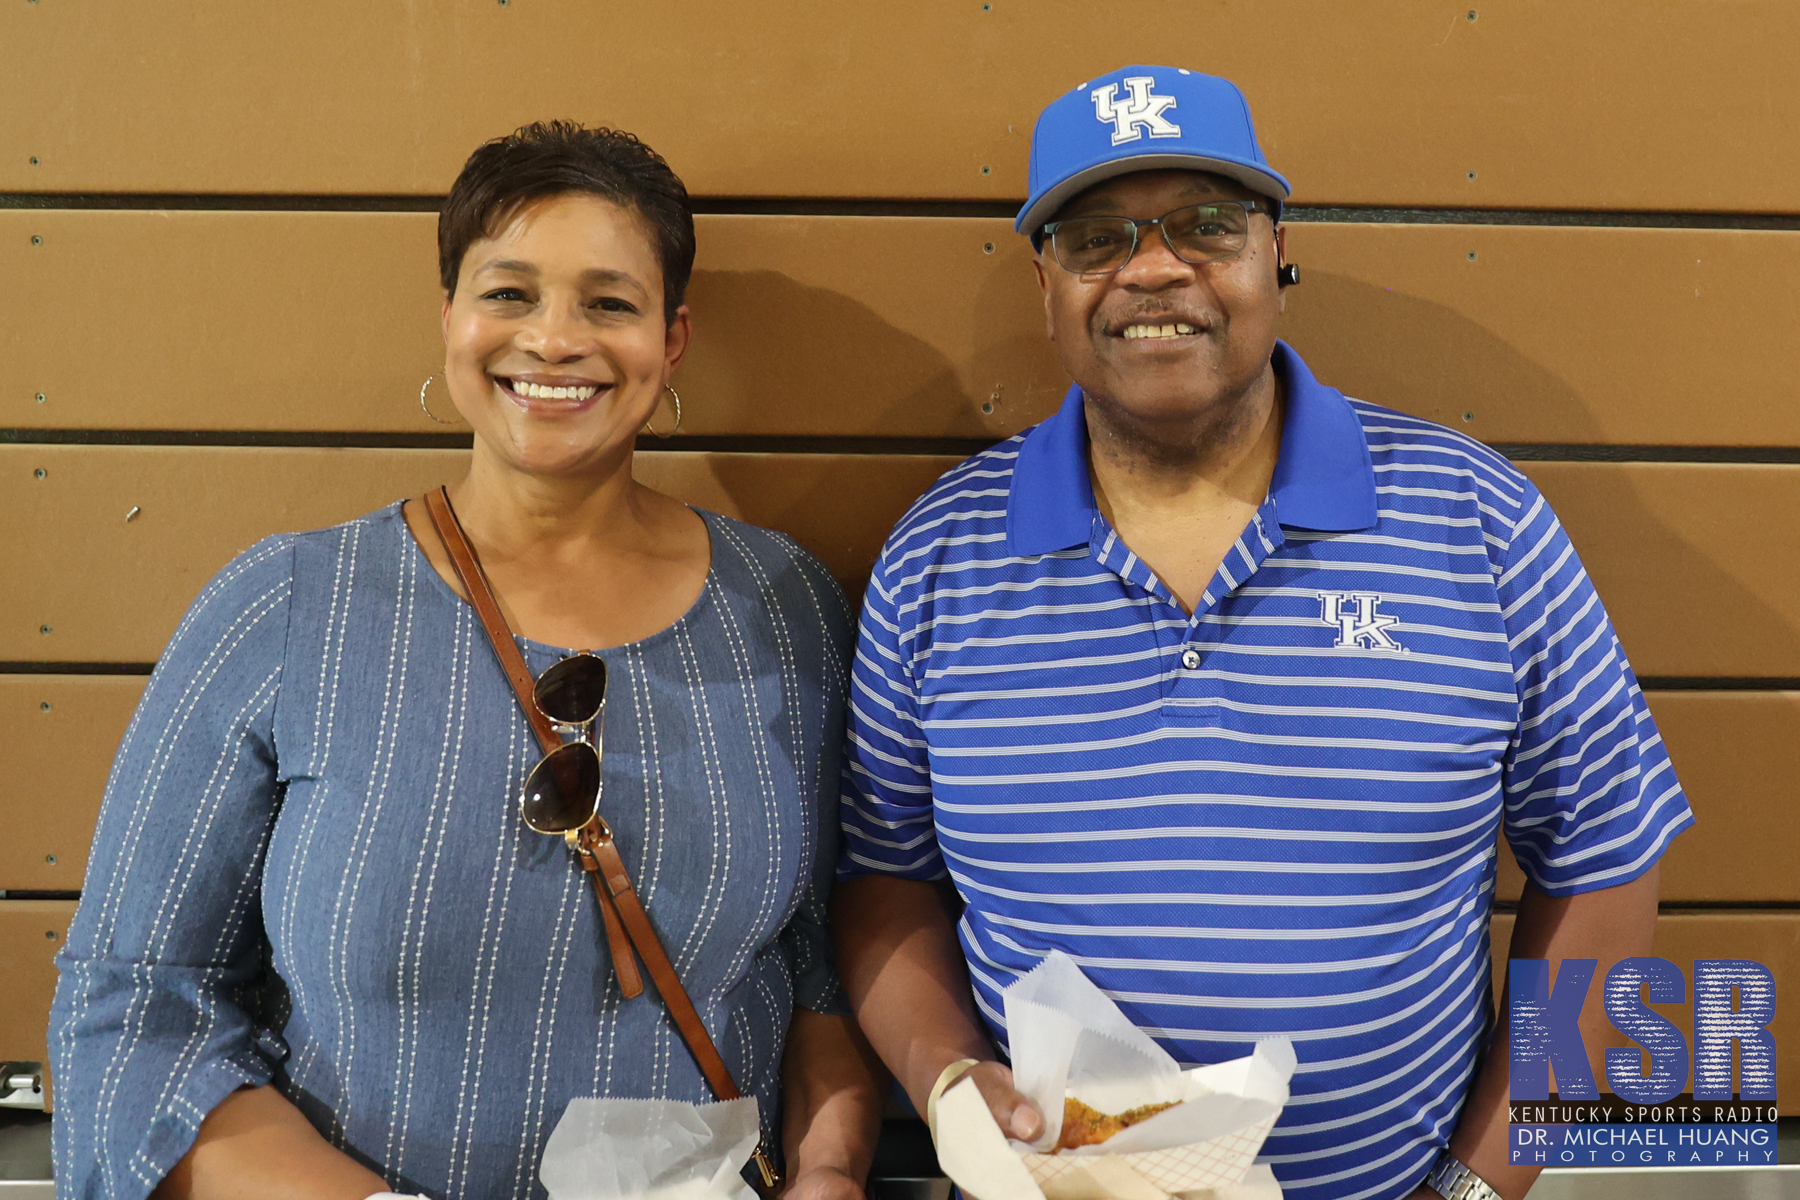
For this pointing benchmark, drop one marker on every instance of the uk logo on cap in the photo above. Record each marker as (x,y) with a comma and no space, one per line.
(1142,119)
(1143,112)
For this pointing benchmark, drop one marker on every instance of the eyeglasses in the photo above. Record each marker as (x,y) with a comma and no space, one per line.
(1199,233)
(562,793)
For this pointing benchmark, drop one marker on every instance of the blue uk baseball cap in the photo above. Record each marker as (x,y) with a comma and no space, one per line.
(1143,119)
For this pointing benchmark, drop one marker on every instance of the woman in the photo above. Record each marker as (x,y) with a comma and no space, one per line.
(319,954)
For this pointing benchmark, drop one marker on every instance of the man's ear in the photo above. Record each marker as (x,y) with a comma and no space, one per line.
(1043,278)
(1280,265)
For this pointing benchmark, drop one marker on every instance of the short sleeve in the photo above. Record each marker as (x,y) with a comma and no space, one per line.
(1591,798)
(152,1025)
(887,808)
(806,944)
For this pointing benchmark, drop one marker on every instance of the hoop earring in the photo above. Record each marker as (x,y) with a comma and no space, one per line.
(677,424)
(426,406)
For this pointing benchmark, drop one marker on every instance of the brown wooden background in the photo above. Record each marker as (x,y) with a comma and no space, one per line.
(1572,230)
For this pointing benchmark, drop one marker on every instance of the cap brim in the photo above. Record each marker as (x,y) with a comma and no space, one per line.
(1258,179)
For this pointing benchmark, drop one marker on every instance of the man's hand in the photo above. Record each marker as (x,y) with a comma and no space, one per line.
(1013,1111)
(822,1183)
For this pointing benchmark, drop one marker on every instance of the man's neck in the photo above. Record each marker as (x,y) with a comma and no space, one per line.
(1224,455)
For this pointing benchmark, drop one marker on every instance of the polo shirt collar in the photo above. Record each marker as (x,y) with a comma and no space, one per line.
(1323,479)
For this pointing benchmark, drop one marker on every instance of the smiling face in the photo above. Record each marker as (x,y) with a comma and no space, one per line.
(1162,344)
(556,347)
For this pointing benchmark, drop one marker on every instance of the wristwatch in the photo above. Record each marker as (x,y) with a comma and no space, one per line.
(1453,1181)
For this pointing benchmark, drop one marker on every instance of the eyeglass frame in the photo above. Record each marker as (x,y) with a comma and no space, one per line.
(587,734)
(1047,232)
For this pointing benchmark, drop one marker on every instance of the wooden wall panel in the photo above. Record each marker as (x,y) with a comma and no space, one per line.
(1737,754)
(31,932)
(60,733)
(199,507)
(1559,335)
(1698,563)
(1695,588)
(1735,751)
(262,321)
(329,321)
(1398,102)
(1771,938)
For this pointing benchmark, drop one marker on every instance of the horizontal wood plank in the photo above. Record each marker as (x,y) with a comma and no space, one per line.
(1770,938)
(60,734)
(81,582)
(1694,588)
(1556,335)
(1698,563)
(31,933)
(1394,102)
(329,322)
(1737,755)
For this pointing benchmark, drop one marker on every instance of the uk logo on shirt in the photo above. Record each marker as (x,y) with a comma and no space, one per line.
(1359,622)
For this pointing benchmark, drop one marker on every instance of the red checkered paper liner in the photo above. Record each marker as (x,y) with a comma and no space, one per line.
(1222,1160)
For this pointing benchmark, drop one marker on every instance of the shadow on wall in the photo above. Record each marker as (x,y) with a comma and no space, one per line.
(1426,359)
(1657,574)
(1021,353)
(795,360)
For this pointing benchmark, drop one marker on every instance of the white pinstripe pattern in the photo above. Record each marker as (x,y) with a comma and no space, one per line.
(310,869)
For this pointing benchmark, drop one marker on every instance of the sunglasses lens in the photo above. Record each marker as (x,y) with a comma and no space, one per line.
(563,791)
(572,691)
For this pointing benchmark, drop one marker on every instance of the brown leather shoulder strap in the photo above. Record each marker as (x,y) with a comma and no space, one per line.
(487,611)
(662,971)
(599,855)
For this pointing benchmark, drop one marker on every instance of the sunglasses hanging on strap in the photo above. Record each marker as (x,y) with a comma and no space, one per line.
(562,796)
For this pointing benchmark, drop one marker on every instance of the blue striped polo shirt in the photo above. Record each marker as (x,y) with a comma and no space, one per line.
(1279,815)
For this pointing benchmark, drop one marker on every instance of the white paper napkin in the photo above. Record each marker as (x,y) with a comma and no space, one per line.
(1069,1038)
(651,1150)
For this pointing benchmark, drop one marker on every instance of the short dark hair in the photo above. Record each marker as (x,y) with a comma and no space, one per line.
(553,158)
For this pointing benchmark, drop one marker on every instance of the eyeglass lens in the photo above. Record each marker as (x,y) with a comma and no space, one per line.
(1197,234)
(563,791)
(572,691)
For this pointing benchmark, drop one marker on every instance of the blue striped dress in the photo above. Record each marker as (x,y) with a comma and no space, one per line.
(310,867)
(1278,815)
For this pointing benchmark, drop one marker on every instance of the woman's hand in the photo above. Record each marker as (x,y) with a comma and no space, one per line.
(823,1183)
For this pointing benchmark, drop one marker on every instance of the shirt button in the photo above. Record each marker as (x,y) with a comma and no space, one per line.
(1190,658)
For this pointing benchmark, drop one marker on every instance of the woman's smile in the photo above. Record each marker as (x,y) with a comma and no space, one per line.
(548,395)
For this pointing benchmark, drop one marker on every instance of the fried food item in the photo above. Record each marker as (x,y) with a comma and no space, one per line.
(1084,1126)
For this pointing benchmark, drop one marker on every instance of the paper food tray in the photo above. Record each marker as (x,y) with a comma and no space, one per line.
(1179,1169)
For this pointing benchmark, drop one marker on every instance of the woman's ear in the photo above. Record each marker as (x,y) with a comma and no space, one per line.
(676,340)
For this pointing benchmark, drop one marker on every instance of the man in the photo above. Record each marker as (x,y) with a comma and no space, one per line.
(1222,684)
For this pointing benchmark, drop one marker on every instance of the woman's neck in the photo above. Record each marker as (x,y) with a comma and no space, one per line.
(510,513)
(579,560)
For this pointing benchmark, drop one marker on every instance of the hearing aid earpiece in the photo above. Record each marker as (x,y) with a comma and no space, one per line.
(1288,274)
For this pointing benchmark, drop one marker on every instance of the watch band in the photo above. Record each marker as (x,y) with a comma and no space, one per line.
(1452,1180)
(946,1077)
